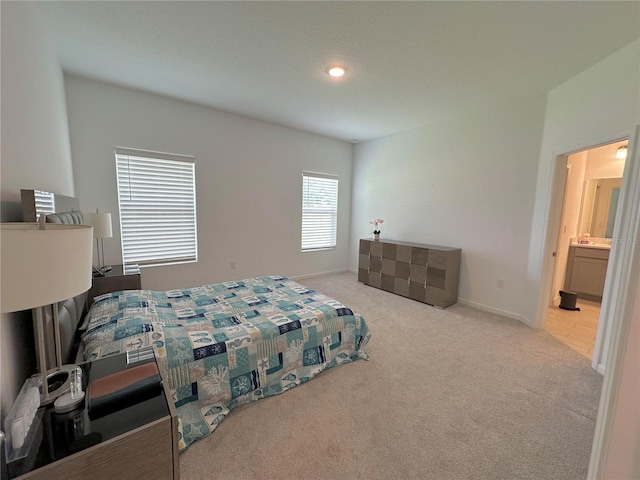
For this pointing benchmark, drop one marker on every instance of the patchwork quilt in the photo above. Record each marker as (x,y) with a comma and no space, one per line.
(219,346)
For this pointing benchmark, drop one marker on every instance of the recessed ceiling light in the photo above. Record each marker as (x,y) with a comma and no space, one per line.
(336,71)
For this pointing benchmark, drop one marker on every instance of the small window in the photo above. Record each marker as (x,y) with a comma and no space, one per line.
(319,211)
(157,198)
(45,203)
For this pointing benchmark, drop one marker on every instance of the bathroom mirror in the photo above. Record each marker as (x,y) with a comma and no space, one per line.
(599,205)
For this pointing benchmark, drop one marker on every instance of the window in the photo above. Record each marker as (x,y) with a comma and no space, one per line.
(157,198)
(319,211)
(45,203)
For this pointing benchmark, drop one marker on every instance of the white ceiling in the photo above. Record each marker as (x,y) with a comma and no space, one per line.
(408,63)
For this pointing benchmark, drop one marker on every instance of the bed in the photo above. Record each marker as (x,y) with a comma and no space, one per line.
(222,345)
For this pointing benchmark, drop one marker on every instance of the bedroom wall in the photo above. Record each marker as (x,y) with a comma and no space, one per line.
(468,182)
(248,181)
(34,153)
(35,135)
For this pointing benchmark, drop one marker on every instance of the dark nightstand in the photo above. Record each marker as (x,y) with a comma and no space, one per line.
(115,280)
(138,441)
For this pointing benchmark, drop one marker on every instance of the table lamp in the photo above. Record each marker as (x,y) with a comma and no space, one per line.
(101,223)
(43,264)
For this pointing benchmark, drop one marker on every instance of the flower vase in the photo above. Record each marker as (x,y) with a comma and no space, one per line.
(376,236)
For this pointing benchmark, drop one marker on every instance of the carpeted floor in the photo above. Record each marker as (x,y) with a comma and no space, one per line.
(448,394)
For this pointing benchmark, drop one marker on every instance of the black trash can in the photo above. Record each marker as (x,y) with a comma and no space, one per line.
(568,300)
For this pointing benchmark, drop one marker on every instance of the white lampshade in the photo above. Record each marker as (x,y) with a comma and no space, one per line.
(43,266)
(621,152)
(101,223)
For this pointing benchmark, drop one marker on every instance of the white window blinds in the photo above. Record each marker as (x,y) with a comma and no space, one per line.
(157,198)
(45,202)
(319,211)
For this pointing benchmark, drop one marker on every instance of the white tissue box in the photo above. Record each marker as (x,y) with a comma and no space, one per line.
(18,423)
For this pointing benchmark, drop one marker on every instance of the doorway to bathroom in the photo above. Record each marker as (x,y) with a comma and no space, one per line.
(591,192)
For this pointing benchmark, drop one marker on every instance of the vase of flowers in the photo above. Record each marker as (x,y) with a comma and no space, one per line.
(376,228)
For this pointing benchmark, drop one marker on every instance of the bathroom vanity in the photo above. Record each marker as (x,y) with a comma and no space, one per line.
(587,270)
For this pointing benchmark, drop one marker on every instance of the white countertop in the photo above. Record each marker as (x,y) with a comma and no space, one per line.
(600,246)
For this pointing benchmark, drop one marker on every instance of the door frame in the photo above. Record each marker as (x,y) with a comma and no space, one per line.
(618,294)
(618,270)
(621,285)
(556,215)
(620,291)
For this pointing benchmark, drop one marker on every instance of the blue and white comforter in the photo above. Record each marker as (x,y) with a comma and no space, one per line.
(219,346)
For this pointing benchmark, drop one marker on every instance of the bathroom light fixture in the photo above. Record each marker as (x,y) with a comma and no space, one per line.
(621,152)
(336,71)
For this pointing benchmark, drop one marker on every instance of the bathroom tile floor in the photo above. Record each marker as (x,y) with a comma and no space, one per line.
(575,328)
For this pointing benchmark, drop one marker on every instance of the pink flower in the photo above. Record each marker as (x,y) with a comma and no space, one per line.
(375,224)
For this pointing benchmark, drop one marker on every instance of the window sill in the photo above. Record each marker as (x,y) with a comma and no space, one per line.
(310,250)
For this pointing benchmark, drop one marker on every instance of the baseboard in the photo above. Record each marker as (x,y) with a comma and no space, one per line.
(469,303)
(497,311)
(319,274)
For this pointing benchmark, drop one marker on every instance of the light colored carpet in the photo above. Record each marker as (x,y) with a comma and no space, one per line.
(448,394)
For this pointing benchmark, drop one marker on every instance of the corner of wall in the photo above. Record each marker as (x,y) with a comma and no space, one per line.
(497,311)
(34,113)
(35,153)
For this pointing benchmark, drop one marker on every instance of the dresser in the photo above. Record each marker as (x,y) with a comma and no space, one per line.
(426,273)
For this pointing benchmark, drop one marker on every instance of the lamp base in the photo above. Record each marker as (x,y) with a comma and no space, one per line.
(68,402)
(58,383)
